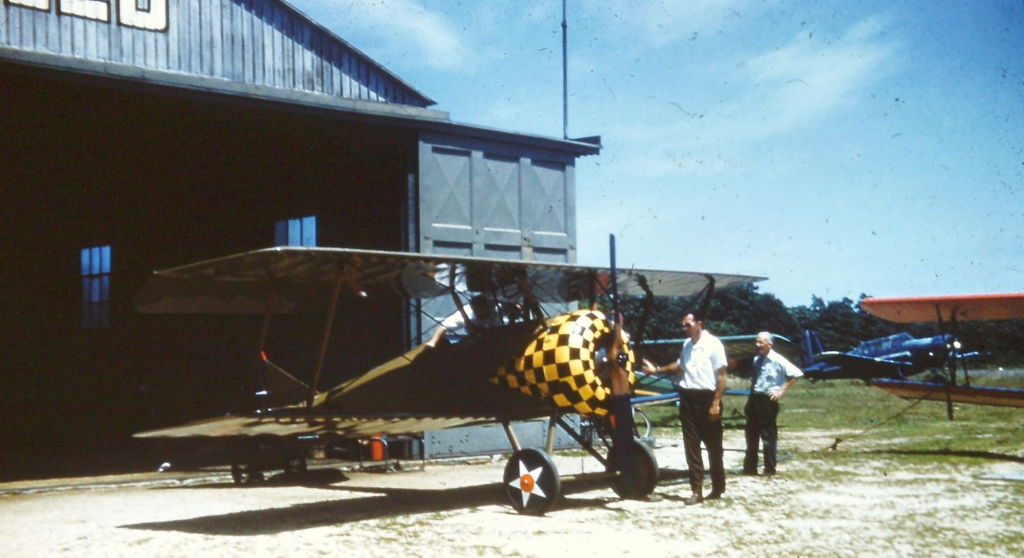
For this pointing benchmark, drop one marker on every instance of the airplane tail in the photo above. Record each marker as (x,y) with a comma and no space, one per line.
(811,346)
(276,387)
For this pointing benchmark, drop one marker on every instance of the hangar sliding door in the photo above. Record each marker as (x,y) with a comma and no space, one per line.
(496,200)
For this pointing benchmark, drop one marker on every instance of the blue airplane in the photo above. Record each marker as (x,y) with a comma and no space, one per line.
(896,356)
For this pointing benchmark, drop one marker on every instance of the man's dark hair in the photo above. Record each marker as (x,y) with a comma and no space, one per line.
(698,315)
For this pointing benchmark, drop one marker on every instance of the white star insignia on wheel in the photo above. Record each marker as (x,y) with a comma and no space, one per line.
(527,482)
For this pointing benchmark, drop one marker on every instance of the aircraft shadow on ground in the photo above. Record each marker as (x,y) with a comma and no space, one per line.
(955,453)
(381,503)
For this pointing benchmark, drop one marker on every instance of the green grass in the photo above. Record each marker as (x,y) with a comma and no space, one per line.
(894,423)
(879,422)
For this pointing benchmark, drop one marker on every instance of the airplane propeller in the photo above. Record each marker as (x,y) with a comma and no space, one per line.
(622,408)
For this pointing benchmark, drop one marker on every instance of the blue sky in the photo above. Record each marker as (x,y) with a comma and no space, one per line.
(836,147)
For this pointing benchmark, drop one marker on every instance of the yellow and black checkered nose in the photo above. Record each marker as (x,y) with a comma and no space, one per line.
(561,364)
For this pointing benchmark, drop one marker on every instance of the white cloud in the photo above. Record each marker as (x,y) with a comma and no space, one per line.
(404,28)
(806,80)
(798,86)
(664,22)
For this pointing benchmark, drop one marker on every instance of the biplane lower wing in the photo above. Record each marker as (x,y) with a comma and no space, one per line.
(656,390)
(975,395)
(301,423)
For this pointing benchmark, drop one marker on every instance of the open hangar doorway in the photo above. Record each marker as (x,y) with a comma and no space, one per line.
(162,177)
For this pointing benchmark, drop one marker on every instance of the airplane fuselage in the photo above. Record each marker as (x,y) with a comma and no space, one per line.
(918,353)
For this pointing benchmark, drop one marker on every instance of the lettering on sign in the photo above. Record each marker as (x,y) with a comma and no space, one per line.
(151,15)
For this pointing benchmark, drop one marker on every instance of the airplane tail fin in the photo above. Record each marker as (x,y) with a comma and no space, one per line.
(276,387)
(811,346)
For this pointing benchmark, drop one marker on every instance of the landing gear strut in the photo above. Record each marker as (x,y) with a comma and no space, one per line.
(245,473)
(252,472)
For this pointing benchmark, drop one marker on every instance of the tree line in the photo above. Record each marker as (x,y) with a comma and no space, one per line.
(840,324)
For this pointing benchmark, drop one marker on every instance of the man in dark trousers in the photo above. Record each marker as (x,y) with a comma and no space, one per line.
(701,379)
(772,376)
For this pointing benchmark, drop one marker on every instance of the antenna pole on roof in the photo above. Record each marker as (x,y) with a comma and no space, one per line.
(565,75)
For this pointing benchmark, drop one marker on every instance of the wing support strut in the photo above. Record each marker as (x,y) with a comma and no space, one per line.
(646,313)
(530,304)
(950,365)
(591,289)
(338,281)
(708,293)
(260,372)
(470,326)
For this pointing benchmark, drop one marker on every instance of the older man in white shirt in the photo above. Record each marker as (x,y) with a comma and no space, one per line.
(772,376)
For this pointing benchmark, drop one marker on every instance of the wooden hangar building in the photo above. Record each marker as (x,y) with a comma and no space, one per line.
(144,134)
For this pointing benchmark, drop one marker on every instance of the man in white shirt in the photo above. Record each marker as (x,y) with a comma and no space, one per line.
(701,370)
(772,376)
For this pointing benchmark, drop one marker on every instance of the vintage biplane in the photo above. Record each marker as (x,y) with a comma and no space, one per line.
(532,365)
(948,312)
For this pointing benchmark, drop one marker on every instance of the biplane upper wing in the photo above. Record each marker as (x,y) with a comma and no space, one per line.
(1007,306)
(284,280)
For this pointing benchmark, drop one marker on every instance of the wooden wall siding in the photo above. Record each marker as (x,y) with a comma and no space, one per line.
(259,42)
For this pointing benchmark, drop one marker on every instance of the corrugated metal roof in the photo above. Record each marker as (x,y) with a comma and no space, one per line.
(258,42)
(262,50)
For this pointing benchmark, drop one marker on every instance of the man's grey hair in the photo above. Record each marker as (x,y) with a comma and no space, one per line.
(767,337)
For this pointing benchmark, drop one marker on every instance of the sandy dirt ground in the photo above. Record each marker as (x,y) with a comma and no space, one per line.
(458,509)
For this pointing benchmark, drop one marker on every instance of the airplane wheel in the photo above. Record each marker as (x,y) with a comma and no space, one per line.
(295,466)
(531,483)
(646,467)
(244,473)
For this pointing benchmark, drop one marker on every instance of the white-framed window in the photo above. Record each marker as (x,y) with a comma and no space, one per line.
(296,232)
(96,287)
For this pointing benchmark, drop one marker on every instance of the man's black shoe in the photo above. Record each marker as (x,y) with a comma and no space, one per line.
(692,500)
(714,495)
(749,472)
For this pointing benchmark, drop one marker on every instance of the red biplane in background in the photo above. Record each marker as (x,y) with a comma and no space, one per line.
(949,311)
